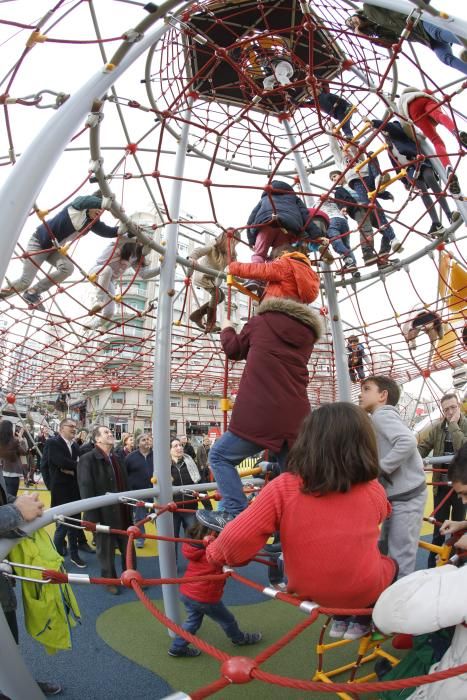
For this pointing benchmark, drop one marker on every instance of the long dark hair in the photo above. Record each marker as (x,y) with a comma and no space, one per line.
(6,432)
(335,449)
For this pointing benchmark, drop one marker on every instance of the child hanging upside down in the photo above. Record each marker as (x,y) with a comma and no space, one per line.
(421,320)
(111,264)
(289,275)
(280,217)
(215,256)
(202,598)
(426,113)
(43,246)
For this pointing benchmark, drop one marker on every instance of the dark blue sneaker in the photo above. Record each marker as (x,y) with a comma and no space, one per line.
(34,300)
(247,639)
(214,519)
(184,651)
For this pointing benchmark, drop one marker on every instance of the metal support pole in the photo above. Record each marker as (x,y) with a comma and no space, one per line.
(340,355)
(15,678)
(161,386)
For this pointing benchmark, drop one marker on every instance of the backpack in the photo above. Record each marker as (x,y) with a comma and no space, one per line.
(427,650)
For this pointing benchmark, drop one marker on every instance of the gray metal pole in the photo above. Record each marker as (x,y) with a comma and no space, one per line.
(15,679)
(337,331)
(161,387)
(342,372)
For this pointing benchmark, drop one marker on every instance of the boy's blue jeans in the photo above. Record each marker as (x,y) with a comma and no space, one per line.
(216,611)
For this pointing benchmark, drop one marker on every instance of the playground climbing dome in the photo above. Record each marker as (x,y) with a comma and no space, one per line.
(182,115)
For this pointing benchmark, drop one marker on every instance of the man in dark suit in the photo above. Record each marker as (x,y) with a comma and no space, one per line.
(62,458)
(101,472)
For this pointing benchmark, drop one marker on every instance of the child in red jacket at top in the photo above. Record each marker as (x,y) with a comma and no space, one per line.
(328,508)
(289,275)
(202,598)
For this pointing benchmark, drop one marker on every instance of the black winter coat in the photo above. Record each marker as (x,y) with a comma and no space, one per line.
(63,486)
(96,477)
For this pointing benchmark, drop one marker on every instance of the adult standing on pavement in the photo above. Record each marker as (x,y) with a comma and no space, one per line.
(12,447)
(202,460)
(140,469)
(184,473)
(445,438)
(187,446)
(127,446)
(62,458)
(101,472)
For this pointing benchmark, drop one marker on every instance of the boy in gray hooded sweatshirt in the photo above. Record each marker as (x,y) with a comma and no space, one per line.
(402,472)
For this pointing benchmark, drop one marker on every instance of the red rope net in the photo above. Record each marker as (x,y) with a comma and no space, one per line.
(240,669)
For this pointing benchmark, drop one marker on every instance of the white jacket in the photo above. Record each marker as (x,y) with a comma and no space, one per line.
(423,602)
(410,94)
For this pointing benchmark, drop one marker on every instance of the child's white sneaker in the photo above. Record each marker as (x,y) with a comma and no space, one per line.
(338,628)
(355,630)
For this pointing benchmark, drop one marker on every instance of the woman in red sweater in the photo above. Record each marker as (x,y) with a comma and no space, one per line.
(203,597)
(328,508)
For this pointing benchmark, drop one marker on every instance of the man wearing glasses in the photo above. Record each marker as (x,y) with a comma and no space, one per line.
(63,461)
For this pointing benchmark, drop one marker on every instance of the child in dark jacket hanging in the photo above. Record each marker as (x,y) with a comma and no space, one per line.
(203,597)
(75,220)
(280,217)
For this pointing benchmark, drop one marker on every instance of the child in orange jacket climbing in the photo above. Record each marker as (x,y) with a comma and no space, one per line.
(289,275)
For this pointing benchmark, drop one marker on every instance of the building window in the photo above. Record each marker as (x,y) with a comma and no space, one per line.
(193,403)
(175,402)
(210,403)
(147,425)
(118,427)
(95,401)
(118,397)
(148,399)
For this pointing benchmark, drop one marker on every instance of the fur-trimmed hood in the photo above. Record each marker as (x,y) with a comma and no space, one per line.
(294,309)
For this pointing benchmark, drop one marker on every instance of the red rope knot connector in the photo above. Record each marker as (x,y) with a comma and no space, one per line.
(193,94)
(54,576)
(134,103)
(207,183)
(128,176)
(131,147)
(239,669)
(172,507)
(156,173)
(187,281)
(129,576)
(135,531)
(426,373)
(347,64)
(283,116)
(324,311)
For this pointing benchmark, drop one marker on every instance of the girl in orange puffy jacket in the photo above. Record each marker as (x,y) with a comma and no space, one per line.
(289,275)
